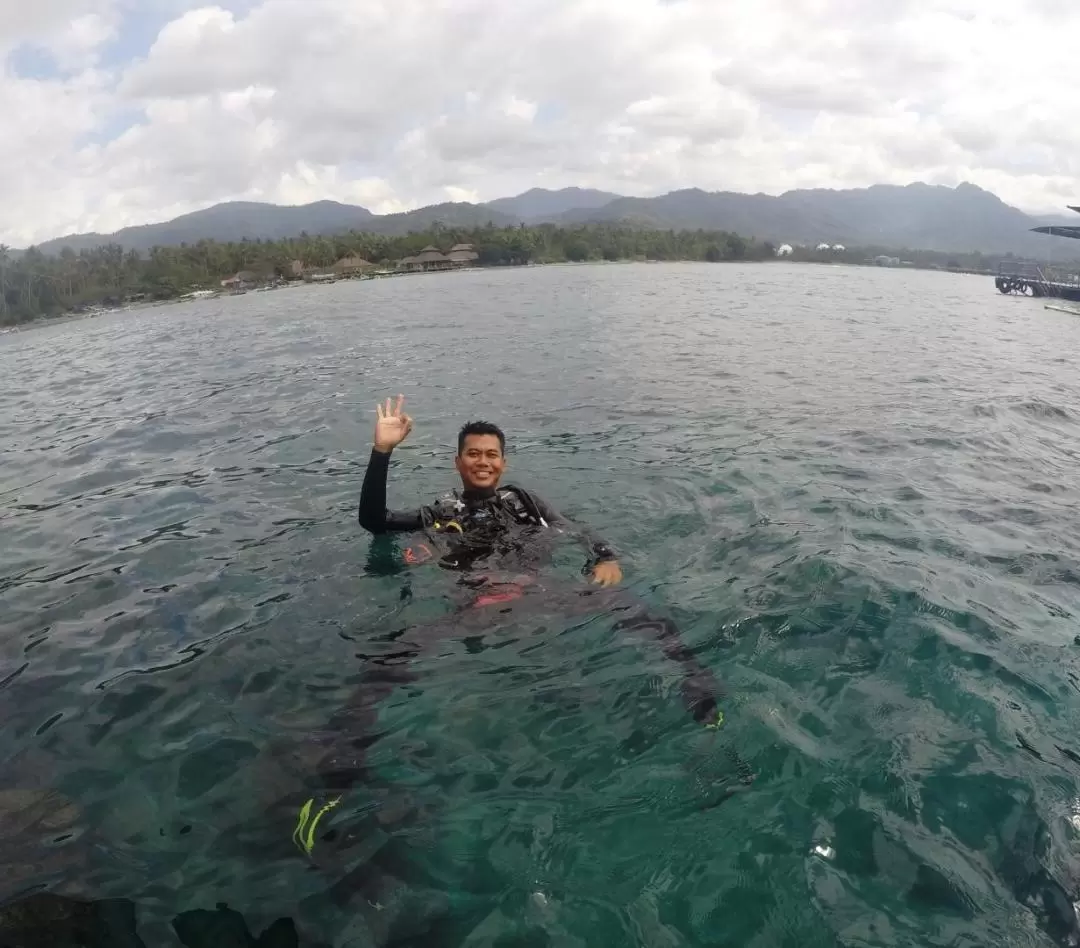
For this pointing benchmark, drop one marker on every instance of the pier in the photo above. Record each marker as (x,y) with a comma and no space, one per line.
(1030,279)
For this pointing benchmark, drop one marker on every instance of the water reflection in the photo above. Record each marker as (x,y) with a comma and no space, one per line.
(319,800)
(45,920)
(854,491)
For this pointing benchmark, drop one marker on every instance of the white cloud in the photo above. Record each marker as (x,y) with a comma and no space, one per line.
(397,103)
(520,108)
(71,32)
(21,21)
(77,46)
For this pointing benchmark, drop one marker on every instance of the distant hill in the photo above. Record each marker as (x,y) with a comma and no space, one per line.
(749,214)
(917,216)
(450,215)
(923,216)
(237,220)
(540,205)
(231,221)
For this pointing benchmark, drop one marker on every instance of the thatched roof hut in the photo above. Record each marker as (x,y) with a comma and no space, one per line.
(430,255)
(462,254)
(431,258)
(349,266)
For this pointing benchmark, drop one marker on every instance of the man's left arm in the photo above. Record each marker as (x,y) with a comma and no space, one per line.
(603,564)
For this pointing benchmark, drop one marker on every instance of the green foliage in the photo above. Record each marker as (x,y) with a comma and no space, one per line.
(576,251)
(35,285)
(918,259)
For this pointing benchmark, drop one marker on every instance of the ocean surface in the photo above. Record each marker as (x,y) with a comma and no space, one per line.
(854,490)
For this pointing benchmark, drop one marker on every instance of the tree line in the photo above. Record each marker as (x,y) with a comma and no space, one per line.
(33,284)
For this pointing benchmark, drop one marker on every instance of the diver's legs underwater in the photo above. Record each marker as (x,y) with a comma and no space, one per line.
(369,855)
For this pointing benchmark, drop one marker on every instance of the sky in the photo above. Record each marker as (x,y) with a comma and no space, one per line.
(120,112)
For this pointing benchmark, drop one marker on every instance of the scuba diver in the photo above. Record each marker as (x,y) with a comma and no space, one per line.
(496,538)
(482,521)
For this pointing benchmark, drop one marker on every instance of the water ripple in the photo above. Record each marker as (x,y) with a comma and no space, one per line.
(853,489)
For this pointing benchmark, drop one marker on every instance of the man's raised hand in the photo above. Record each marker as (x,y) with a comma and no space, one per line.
(392,425)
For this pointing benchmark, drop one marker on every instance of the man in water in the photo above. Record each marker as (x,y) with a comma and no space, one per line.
(483,525)
(497,538)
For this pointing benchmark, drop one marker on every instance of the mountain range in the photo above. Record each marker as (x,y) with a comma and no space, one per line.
(917,216)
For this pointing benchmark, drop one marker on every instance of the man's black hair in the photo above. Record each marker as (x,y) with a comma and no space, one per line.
(480,428)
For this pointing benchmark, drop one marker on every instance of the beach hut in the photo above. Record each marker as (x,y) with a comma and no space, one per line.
(352,266)
(462,255)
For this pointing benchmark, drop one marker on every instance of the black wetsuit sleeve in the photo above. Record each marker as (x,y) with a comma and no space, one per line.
(373,515)
(597,548)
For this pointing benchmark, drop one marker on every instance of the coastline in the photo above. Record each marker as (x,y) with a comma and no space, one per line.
(72,317)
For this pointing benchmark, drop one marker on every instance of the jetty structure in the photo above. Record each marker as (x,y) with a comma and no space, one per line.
(1031,279)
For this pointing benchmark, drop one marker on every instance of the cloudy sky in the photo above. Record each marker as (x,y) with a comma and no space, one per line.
(117,112)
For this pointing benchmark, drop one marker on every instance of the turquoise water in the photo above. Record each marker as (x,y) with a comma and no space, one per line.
(854,490)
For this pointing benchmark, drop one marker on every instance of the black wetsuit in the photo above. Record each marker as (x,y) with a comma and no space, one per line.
(502,530)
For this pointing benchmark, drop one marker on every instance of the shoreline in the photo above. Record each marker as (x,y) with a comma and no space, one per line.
(70,317)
